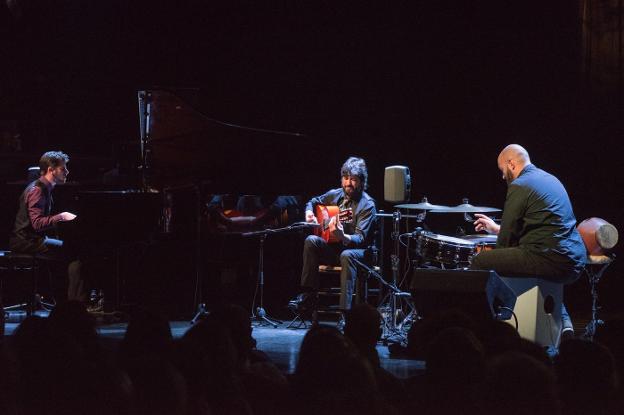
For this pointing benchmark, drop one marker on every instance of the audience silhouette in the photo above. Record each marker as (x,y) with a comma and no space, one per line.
(57,365)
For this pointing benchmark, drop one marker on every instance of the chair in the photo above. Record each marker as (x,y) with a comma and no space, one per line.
(15,265)
(329,290)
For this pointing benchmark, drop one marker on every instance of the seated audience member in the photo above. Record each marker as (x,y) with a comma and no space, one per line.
(363,328)
(208,360)
(587,378)
(517,384)
(263,383)
(455,361)
(331,376)
(159,388)
(148,334)
(424,331)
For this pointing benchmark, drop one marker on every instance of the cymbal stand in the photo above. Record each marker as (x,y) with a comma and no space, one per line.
(392,326)
(388,305)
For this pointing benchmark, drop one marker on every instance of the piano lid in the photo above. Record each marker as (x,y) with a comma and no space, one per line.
(180,144)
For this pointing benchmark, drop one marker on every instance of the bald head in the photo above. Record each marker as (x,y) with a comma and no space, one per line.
(511,160)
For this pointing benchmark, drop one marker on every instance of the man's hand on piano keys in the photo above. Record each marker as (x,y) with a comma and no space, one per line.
(67,216)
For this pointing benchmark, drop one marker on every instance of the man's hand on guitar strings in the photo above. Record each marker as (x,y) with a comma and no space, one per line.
(336,228)
(309,216)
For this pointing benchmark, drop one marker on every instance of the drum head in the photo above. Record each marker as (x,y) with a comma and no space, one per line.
(481,238)
(451,240)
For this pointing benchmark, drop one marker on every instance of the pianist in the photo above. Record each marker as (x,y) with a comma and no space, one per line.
(34,221)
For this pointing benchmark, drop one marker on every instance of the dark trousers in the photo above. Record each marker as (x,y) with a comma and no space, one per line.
(317,251)
(518,262)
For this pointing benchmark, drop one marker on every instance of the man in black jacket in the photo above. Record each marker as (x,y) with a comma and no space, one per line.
(353,236)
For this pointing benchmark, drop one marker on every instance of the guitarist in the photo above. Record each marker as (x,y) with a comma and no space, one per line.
(353,236)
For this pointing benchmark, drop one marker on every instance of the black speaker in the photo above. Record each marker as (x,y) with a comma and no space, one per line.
(480,294)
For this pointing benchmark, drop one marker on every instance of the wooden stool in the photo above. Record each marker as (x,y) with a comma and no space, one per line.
(329,290)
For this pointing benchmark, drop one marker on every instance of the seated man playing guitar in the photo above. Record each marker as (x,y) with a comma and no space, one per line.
(340,238)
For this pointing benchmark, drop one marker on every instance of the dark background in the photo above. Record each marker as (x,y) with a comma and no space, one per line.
(439,86)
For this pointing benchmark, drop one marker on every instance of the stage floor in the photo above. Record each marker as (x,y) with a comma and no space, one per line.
(281,344)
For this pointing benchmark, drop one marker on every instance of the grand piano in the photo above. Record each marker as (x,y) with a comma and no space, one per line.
(186,158)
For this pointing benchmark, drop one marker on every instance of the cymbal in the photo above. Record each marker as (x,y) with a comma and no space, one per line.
(466,208)
(421,206)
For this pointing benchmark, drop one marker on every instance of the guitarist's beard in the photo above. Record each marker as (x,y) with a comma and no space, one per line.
(352,193)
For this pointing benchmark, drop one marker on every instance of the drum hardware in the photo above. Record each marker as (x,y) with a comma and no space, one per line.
(465,207)
(446,250)
(390,315)
(483,242)
(391,302)
(424,206)
(599,238)
(594,270)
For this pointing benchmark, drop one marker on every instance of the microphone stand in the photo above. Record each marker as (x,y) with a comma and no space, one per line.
(198,301)
(259,314)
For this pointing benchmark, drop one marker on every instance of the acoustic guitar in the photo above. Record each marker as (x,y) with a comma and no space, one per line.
(324,214)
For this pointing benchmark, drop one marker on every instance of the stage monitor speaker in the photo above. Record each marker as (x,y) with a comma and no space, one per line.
(397,184)
(479,294)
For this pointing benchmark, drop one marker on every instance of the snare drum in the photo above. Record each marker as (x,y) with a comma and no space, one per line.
(483,242)
(445,249)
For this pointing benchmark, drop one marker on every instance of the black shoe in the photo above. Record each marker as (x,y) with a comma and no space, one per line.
(341,323)
(567,334)
(303,304)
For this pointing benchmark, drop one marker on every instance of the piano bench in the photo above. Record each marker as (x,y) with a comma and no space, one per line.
(20,266)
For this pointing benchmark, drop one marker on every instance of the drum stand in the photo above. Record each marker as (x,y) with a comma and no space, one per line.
(594,275)
(388,305)
(391,326)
